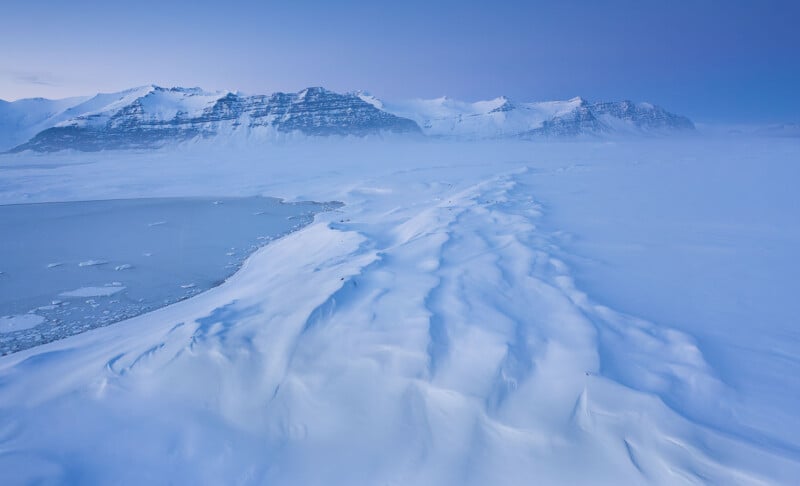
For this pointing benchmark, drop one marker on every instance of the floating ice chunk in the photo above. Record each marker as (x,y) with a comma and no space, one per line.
(92,291)
(92,263)
(54,304)
(19,322)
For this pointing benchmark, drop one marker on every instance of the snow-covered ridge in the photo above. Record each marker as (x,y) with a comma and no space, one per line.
(152,116)
(502,117)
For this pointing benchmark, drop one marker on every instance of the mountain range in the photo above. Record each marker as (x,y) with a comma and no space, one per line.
(152,116)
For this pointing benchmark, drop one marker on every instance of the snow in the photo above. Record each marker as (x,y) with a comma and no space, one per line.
(476,313)
(166,104)
(20,120)
(25,118)
(454,119)
(368,98)
(159,104)
(712,258)
(98,109)
(155,108)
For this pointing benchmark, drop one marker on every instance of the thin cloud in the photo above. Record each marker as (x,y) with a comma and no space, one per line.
(31,78)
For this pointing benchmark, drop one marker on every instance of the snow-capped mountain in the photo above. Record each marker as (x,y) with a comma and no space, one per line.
(501,117)
(152,116)
(21,120)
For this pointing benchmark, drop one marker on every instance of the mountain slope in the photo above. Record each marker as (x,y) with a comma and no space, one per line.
(20,120)
(503,118)
(152,116)
(497,118)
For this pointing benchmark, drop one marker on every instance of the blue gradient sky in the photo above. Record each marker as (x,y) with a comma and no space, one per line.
(714,60)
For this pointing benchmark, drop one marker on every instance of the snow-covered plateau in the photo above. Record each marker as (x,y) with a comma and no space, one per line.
(486,312)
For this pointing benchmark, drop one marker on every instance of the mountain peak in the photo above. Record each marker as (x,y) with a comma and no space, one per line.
(366,97)
(152,116)
(313,91)
(503,104)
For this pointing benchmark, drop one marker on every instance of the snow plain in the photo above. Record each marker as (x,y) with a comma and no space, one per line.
(476,313)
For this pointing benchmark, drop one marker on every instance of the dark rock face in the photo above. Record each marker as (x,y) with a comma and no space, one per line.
(314,111)
(92,140)
(643,115)
(598,119)
(577,122)
(505,107)
(151,117)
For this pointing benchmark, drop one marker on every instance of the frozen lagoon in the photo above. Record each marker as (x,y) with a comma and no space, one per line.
(69,267)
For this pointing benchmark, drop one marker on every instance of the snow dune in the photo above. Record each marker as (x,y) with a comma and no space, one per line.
(428,332)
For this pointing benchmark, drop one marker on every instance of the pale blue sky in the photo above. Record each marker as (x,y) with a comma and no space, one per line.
(714,60)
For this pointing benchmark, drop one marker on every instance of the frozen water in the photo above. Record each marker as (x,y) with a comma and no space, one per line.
(17,323)
(111,259)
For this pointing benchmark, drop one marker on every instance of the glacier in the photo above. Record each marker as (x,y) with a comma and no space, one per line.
(487,312)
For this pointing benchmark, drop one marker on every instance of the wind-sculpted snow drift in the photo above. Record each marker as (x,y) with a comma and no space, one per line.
(428,332)
(151,117)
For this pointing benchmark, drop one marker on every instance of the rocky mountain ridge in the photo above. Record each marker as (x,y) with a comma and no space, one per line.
(152,116)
